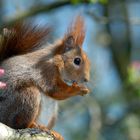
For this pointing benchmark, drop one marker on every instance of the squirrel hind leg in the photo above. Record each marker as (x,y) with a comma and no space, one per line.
(25,108)
(55,134)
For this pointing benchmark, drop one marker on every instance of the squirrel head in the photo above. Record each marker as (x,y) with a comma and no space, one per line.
(76,65)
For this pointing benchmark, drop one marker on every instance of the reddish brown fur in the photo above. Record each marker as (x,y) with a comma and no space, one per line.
(21,39)
(76,30)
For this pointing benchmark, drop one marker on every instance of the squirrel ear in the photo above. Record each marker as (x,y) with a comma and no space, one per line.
(69,43)
(76,32)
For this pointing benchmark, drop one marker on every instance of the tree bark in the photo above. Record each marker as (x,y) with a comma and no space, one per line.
(7,133)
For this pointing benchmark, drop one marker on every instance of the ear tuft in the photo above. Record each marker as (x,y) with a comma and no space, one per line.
(76,31)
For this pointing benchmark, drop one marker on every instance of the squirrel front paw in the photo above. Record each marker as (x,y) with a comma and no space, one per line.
(82,89)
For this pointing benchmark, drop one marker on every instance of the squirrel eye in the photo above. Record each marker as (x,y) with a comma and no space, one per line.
(77,61)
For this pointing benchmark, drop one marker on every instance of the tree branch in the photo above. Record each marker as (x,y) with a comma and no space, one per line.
(7,133)
(37,9)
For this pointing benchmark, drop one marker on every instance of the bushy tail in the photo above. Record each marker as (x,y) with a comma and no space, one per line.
(22,38)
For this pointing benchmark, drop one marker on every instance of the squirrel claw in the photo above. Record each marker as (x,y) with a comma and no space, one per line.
(84,91)
(57,135)
(75,84)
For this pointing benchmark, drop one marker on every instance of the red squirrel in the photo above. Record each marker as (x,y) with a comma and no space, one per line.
(38,76)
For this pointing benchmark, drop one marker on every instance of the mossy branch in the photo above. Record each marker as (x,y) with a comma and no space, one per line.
(7,133)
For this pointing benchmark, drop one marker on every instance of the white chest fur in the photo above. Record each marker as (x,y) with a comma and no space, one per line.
(49,109)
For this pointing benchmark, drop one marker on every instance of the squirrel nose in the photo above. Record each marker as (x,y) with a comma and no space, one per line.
(86,79)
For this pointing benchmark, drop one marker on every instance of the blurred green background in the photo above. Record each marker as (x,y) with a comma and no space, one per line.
(112,110)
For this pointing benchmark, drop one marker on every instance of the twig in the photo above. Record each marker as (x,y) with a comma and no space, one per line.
(37,9)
